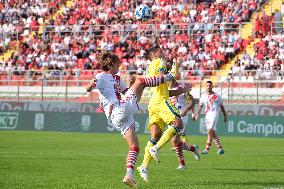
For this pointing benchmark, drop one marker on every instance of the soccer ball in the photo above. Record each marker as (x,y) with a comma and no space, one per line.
(143,12)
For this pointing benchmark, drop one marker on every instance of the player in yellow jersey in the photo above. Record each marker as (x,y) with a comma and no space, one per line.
(161,112)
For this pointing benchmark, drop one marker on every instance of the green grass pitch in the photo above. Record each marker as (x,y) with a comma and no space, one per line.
(34,160)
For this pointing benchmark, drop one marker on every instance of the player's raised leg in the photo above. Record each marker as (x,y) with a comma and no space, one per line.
(171,131)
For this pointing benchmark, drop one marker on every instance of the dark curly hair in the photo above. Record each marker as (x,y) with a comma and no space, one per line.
(149,52)
(107,60)
(210,82)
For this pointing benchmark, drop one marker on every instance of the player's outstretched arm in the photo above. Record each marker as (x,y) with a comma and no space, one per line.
(91,85)
(132,80)
(179,91)
(190,106)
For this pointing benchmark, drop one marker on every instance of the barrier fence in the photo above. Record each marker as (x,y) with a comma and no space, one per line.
(243,120)
(76,74)
(148,30)
(256,126)
(244,87)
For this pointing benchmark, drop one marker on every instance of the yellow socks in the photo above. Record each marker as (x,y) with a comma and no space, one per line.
(184,138)
(168,135)
(147,156)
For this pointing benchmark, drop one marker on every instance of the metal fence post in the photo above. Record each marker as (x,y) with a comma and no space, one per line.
(228,91)
(18,91)
(66,91)
(257,92)
(42,89)
(200,83)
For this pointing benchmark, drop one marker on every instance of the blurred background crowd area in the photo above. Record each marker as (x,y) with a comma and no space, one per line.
(66,37)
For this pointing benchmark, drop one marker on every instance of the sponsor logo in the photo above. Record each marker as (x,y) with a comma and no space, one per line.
(264,110)
(255,110)
(230,126)
(39,121)
(85,123)
(8,120)
(14,106)
(110,126)
(271,110)
(48,106)
(264,129)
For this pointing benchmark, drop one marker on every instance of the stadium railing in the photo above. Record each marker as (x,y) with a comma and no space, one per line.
(76,74)
(243,87)
(148,29)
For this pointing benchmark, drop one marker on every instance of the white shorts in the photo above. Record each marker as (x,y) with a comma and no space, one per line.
(211,122)
(184,121)
(122,113)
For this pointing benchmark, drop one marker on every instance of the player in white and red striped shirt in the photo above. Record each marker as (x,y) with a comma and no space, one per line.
(213,103)
(119,110)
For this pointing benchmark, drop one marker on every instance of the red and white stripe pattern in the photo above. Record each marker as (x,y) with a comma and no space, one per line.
(208,143)
(130,93)
(217,142)
(153,81)
(188,147)
(117,86)
(132,158)
(210,102)
(179,152)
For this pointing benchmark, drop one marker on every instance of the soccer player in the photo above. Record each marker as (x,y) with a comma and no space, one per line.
(213,103)
(119,110)
(161,113)
(184,103)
